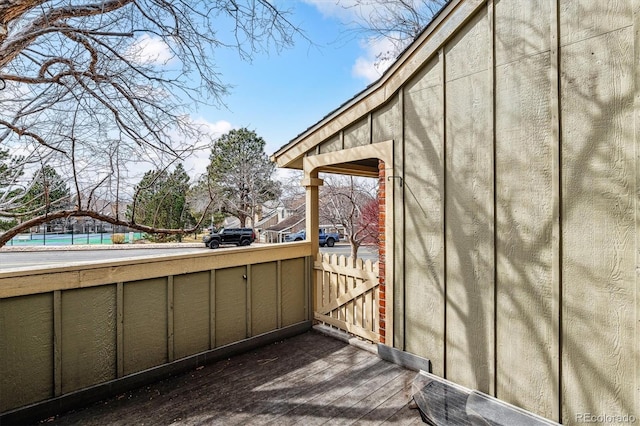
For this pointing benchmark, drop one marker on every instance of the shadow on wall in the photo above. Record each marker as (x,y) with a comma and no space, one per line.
(529,294)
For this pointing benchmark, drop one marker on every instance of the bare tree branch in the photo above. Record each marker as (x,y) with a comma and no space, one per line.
(398,21)
(81,91)
(342,202)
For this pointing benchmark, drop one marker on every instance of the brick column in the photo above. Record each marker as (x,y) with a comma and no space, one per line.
(382,255)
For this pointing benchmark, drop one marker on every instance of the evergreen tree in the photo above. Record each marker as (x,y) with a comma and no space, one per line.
(241,171)
(10,170)
(47,192)
(177,208)
(4,169)
(161,200)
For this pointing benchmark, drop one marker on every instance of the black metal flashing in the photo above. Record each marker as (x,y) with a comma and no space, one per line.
(403,359)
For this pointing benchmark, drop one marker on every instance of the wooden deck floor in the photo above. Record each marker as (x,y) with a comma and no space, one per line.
(309,379)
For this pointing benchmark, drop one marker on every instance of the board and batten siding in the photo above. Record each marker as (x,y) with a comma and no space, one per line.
(527,194)
(71,329)
(599,109)
(515,246)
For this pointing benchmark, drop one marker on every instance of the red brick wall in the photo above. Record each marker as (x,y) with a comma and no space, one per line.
(382,251)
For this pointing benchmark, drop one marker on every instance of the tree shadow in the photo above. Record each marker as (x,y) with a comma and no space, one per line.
(527,247)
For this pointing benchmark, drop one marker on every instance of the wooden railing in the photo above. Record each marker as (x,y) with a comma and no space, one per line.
(346,297)
(67,329)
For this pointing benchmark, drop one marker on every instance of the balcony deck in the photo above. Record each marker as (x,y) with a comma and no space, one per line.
(309,379)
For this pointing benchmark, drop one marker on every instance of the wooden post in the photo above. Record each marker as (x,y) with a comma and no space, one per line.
(312,184)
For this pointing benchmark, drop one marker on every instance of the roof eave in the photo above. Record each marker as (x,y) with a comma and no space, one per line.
(422,49)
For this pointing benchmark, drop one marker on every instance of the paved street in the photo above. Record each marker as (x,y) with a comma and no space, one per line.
(60,256)
(19,259)
(366,252)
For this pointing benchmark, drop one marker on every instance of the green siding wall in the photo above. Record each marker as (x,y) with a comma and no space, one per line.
(231,305)
(26,350)
(88,326)
(294,296)
(191,318)
(264,298)
(56,342)
(145,324)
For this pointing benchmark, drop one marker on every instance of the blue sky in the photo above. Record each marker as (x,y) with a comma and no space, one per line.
(279,95)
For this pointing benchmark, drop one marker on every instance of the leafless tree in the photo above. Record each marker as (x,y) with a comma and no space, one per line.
(290,182)
(397,21)
(341,204)
(205,201)
(101,90)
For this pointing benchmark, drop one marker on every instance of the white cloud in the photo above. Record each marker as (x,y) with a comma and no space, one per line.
(150,50)
(345,10)
(368,66)
(331,9)
(365,68)
(351,13)
(196,163)
(218,128)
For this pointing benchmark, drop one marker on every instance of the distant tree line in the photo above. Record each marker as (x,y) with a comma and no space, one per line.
(165,202)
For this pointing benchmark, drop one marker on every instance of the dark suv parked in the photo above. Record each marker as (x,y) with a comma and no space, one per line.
(237,236)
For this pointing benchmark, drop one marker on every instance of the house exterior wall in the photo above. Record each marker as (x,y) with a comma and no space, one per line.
(331,145)
(515,226)
(357,134)
(527,184)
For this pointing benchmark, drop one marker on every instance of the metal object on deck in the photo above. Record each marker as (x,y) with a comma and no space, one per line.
(442,402)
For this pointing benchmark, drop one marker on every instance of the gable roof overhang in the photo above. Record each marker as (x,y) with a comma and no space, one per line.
(441,28)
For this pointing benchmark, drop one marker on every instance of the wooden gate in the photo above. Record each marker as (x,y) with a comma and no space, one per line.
(346,297)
